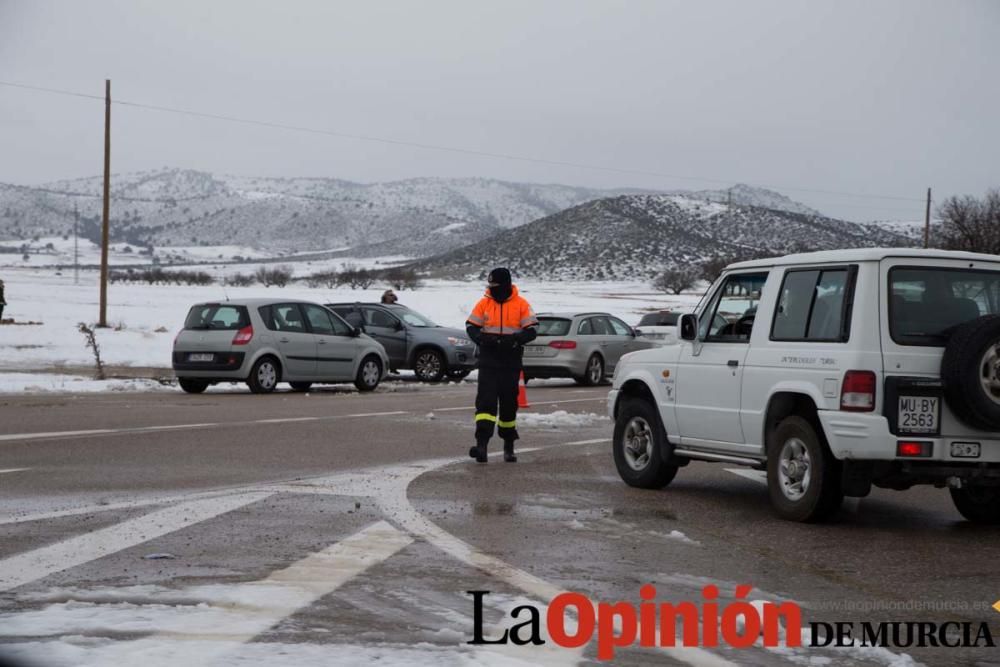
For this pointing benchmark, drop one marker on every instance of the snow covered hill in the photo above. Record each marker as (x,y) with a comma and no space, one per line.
(183,207)
(636,236)
(417,217)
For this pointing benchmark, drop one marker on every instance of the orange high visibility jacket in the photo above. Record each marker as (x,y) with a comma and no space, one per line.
(506,318)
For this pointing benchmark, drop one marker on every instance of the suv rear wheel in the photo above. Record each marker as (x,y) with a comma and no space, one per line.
(638,446)
(369,374)
(803,478)
(594,373)
(979,504)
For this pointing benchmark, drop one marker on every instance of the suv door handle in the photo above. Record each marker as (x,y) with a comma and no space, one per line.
(282,340)
(322,342)
(733,363)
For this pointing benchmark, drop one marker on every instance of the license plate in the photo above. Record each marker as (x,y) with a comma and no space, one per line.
(965,450)
(534,351)
(201,357)
(919,414)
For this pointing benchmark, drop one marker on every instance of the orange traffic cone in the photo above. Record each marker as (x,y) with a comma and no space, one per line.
(522,393)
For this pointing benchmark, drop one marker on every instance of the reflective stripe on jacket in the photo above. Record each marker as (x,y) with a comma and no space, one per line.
(509,317)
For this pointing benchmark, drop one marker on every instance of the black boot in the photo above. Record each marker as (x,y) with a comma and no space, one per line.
(479,451)
(508,451)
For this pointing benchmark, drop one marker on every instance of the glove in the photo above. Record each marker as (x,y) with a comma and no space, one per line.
(508,343)
(489,341)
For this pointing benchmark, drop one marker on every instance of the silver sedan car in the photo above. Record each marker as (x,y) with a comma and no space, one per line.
(266,341)
(582,346)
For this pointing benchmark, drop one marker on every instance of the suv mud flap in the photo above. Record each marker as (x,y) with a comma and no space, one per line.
(856,478)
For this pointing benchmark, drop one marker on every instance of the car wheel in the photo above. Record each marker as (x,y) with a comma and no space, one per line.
(429,365)
(978,504)
(301,386)
(264,375)
(192,386)
(594,373)
(638,445)
(970,371)
(459,374)
(369,374)
(803,478)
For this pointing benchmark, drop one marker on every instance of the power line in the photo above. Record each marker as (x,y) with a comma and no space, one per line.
(448,149)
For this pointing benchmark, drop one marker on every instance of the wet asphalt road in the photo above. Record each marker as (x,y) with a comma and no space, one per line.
(318,469)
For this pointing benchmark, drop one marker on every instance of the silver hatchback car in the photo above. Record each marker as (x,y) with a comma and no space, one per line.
(582,346)
(266,341)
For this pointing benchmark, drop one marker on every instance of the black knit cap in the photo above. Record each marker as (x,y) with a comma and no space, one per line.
(500,276)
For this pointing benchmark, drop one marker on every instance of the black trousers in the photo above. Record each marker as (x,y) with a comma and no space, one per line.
(496,402)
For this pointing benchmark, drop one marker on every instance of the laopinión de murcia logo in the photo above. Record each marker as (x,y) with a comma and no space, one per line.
(572,620)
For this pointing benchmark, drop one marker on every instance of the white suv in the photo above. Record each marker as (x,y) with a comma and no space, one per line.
(833,371)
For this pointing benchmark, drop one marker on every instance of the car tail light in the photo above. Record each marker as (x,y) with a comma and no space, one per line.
(243,336)
(913,448)
(857,394)
(563,344)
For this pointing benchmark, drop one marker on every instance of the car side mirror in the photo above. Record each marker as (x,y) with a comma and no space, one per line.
(636,333)
(356,331)
(689,326)
(398,326)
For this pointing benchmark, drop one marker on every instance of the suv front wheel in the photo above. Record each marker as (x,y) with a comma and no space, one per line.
(638,445)
(803,477)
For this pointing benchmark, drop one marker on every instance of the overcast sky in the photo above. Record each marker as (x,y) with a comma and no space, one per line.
(859,96)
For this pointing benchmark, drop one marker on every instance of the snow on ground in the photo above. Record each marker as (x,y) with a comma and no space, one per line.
(32,383)
(557,419)
(46,309)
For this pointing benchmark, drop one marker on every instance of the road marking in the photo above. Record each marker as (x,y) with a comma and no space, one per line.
(9,470)
(375,414)
(53,434)
(27,567)
(758,476)
(285,420)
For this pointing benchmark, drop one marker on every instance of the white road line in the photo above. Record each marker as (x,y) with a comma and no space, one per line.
(758,476)
(53,434)
(9,470)
(373,414)
(285,420)
(27,567)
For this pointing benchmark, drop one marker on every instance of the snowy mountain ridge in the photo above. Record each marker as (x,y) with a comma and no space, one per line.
(420,216)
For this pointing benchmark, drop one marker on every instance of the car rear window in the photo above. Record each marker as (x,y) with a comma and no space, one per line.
(216,316)
(553,326)
(926,304)
(659,320)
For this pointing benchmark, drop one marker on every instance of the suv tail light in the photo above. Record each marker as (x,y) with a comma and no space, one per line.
(857,394)
(243,336)
(563,344)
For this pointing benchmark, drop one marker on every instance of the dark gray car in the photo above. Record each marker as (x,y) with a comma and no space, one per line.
(412,340)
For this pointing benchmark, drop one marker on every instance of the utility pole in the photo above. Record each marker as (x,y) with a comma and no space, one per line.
(103,321)
(76,245)
(927,221)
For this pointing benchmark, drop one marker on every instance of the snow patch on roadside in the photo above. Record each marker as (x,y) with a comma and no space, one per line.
(559,418)
(38,383)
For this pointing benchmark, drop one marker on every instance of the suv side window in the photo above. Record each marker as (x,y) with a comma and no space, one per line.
(376,317)
(814,305)
(730,316)
(587,327)
(283,317)
(350,314)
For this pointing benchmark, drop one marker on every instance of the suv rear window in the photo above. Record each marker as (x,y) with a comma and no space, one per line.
(926,303)
(217,316)
(553,326)
(659,320)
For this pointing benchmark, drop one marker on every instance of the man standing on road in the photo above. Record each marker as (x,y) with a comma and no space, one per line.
(500,324)
(2,301)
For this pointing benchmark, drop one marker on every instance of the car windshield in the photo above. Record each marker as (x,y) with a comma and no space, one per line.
(217,316)
(926,304)
(553,326)
(413,318)
(659,320)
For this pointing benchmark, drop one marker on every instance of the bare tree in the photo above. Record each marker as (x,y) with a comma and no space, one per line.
(971,224)
(675,280)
